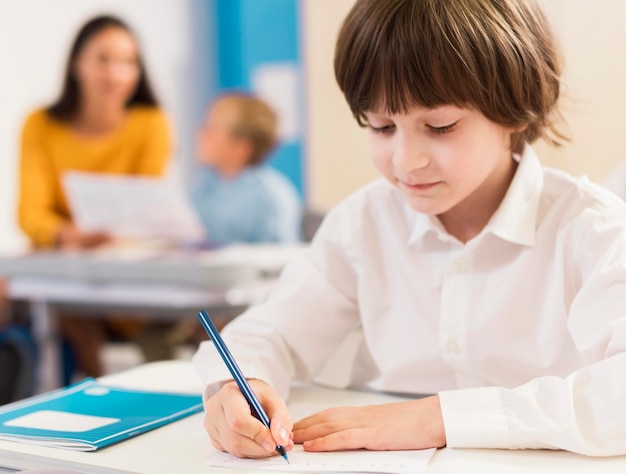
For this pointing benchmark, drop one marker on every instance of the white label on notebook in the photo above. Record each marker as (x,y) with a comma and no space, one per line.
(60,421)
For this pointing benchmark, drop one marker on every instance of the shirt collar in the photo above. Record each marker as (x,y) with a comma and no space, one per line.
(514,220)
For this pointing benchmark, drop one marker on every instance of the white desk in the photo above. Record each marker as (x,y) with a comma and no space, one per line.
(183,446)
(151,278)
(162,282)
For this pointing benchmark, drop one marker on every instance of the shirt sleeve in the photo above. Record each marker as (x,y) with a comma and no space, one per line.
(37,215)
(277,341)
(584,412)
(279,214)
(157,146)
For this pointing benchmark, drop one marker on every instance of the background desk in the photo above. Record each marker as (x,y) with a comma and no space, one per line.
(148,280)
(183,446)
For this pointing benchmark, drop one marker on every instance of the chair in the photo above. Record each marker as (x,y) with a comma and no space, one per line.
(311,220)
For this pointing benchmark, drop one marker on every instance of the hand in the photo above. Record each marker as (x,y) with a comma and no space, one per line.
(69,236)
(232,428)
(415,424)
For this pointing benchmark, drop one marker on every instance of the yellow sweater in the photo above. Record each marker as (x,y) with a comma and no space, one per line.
(141,145)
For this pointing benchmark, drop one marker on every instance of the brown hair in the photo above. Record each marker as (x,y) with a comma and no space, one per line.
(67,104)
(495,56)
(254,121)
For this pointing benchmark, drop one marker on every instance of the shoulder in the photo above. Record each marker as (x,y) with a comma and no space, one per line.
(274,184)
(38,119)
(581,212)
(571,197)
(40,127)
(147,117)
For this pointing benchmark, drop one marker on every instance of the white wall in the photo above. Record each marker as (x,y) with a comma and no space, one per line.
(593,41)
(338,157)
(35,37)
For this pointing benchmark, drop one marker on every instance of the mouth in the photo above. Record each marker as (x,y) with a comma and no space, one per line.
(419,186)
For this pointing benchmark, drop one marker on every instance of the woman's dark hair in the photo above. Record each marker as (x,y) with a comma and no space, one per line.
(66,106)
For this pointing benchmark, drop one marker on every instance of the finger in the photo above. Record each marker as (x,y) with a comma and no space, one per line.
(230,424)
(342,440)
(281,423)
(307,421)
(244,424)
(327,416)
(236,438)
(320,425)
(243,447)
(217,445)
(241,424)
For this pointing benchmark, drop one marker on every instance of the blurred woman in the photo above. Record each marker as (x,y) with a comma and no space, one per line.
(105,120)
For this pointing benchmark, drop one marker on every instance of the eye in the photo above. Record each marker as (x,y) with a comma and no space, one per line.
(444,129)
(384,129)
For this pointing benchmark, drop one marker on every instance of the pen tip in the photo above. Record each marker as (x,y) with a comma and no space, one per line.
(286,458)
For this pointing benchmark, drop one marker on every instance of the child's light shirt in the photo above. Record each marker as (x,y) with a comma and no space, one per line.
(521,331)
(257,205)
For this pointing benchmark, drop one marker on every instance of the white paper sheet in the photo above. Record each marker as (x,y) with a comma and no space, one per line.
(55,420)
(131,207)
(386,462)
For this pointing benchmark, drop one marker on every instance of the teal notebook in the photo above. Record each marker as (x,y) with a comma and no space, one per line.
(89,415)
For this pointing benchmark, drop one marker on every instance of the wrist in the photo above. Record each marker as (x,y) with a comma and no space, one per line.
(437,428)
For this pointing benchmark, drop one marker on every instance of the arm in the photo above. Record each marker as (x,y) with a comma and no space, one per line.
(37,212)
(288,337)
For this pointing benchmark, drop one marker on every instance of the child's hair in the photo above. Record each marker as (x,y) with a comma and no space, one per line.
(496,56)
(255,121)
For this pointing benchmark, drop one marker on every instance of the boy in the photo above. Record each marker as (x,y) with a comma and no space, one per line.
(475,273)
(237,198)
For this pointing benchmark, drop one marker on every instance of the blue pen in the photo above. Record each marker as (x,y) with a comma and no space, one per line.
(235,371)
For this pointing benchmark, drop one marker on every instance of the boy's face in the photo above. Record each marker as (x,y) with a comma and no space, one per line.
(446,161)
(215,142)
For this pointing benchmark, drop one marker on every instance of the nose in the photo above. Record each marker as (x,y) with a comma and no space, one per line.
(409,155)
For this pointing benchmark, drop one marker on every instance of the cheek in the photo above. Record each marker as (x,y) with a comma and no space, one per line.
(86,73)
(381,154)
(132,77)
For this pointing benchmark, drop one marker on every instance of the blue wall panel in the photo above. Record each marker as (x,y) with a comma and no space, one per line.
(253,33)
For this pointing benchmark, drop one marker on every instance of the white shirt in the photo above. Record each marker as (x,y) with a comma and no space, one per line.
(521,331)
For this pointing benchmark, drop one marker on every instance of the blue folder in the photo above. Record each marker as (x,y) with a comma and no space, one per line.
(88,415)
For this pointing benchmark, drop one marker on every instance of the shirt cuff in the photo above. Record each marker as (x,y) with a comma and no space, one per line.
(474,418)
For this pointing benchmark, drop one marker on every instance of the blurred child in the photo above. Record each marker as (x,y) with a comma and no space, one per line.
(493,284)
(238,197)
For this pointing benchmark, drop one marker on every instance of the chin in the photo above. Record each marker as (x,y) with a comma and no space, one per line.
(428,206)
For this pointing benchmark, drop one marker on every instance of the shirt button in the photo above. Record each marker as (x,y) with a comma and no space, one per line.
(461,265)
(453,347)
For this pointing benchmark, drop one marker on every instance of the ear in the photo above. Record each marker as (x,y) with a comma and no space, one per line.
(243,149)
